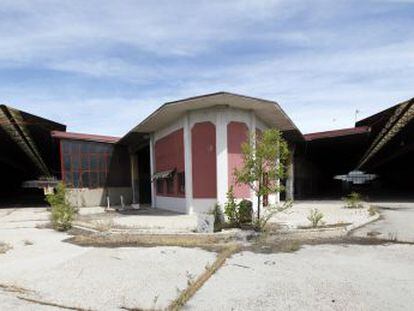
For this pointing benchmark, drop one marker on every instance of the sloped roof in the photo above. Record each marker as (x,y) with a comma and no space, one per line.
(85,137)
(337,133)
(21,128)
(268,111)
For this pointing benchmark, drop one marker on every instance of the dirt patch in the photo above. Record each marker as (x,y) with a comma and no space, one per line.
(4,247)
(210,242)
(287,243)
(338,225)
(273,241)
(14,289)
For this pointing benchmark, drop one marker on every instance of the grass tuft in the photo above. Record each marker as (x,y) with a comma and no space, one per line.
(4,247)
(195,285)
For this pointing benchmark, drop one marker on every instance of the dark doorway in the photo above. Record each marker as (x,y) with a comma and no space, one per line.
(11,192)
(144,176)
(27,152)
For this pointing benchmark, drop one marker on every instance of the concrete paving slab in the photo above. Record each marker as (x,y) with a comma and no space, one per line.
(396,223)
(334,213)
(94,278)
(12,218)
(324,277)
(10,302)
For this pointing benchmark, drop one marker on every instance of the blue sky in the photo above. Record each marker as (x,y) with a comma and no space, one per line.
(103,66)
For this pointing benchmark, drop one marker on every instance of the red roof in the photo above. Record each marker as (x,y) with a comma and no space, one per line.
(337,133)
(85,137)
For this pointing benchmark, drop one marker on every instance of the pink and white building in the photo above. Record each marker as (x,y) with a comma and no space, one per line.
(183,155)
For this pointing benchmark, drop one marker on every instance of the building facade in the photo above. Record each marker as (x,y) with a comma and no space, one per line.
(94,169)
(183,155)
(194,147)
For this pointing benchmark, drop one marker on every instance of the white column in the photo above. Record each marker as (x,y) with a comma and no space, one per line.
(253,130)
(152,164)
(290,182)
(222,155)
(188,165)
(277,195)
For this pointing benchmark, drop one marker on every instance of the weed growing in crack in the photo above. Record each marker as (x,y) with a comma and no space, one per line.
(315,217)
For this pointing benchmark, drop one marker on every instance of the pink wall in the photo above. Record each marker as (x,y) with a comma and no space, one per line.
(169,154)
(203,148)
(237,133)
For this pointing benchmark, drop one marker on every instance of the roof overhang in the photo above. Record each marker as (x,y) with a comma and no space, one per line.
(25,129)
(268,111)
(85,137)
(337,133)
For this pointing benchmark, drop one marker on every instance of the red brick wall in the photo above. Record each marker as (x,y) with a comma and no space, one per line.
(204,158)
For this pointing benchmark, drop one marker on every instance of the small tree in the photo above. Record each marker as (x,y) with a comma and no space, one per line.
(62,214)
(264,163)
(230,208)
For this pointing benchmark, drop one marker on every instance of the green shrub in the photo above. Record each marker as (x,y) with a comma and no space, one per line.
(245,212)
(230,208)
(218,218)
(62,214)
(315,217)
(353,200)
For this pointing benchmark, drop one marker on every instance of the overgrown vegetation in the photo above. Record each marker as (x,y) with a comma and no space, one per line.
(230,208)
(315,217)
(209,242)
(265,163)
(195,284)
(245,212)
(62,213)
(237,214)
(218,218)
(104,225)
(353,200)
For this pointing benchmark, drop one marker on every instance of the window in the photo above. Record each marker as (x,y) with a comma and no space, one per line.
(170,184)
(181,182)
(160,186)
(85,164)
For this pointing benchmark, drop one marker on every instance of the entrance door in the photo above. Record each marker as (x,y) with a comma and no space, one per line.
(144,176)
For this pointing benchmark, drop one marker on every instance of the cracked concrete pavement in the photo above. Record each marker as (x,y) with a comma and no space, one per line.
(318,277)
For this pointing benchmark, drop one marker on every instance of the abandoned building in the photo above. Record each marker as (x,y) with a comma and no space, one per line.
(194,145)
(382,144)
(182,156)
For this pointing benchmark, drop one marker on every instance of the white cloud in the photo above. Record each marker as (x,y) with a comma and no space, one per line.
(321,60)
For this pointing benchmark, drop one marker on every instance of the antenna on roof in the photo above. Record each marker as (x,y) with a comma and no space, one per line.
(356,115)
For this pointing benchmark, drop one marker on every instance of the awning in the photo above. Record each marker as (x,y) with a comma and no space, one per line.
(40,183)
(356,177)
(162,175)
